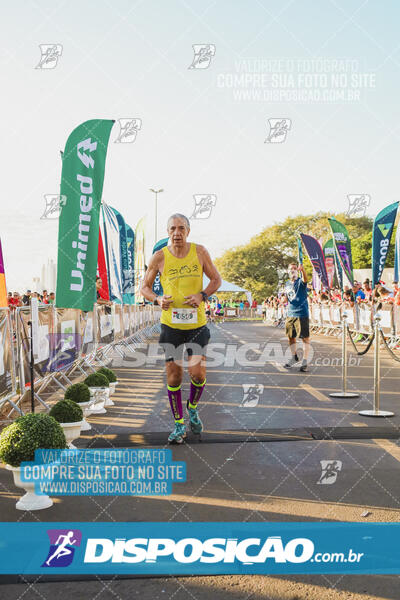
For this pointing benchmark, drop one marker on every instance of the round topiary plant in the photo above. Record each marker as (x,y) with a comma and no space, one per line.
(97,380)
(78,392)
(28,433)
(66,411)
(111,376)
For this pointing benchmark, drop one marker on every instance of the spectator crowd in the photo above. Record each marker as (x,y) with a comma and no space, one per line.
(15,299)
(360,293)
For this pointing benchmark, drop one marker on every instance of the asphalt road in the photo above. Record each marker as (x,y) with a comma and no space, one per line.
(259,459)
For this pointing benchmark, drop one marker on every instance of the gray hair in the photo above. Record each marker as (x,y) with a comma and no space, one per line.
(179,216)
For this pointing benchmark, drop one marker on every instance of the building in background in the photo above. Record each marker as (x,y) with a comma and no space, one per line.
(47,279)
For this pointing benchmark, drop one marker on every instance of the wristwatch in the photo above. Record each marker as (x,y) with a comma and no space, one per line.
(204,296)
(155,301)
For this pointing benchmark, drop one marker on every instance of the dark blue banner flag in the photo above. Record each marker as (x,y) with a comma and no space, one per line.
(130,242)
(157,287)
(381,234)
(316,256)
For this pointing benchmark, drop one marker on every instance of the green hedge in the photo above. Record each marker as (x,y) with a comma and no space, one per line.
(97,380)
(66,411)
(111,376)
(20,439)
(77,392)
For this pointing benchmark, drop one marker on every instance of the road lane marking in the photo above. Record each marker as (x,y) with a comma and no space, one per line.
(316,393)
(390,447)
(319,408)
(257,433)
(296,373)
(278,366)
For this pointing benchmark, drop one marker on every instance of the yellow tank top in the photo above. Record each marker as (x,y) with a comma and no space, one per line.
(182,277)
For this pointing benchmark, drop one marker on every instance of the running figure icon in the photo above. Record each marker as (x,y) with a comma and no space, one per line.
(62,549)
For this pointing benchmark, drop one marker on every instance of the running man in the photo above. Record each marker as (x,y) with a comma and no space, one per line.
(297,321)
(62,550)
(183,320)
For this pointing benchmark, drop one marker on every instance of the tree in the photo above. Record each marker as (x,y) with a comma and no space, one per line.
(361,250)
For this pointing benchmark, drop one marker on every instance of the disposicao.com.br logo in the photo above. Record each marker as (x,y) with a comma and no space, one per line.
(189,550)
(176,548)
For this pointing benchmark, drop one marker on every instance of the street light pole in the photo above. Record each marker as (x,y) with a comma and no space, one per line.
(155,192)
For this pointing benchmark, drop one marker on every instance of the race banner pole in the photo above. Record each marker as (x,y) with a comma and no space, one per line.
(31,367)
(376,412)
(344,393)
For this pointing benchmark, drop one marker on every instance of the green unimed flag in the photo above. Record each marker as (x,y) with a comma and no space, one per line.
(78,231)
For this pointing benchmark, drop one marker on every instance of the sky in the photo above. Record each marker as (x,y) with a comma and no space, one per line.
(327,72)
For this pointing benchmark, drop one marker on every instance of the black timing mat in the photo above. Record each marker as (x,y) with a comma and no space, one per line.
(159,438)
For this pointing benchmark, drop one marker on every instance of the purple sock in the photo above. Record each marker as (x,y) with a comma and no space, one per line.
(196,390)
(175,402)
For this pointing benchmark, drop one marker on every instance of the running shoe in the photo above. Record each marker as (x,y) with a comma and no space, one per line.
(303,367)
(290,363)
(195,423)
(178,434)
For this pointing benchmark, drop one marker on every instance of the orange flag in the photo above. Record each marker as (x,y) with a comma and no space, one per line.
(3,289)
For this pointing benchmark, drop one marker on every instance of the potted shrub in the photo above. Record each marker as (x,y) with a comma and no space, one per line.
(112,380)
(70,416)
(80,393)
(111,376)
(100,389)
(18,442)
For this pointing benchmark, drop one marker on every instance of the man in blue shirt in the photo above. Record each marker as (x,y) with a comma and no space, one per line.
(358,292)
(297,321)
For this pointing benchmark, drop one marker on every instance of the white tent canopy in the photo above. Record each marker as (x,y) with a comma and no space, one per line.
(226,286)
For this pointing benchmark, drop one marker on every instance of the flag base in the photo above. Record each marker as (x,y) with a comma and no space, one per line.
(344,395)
(376,413)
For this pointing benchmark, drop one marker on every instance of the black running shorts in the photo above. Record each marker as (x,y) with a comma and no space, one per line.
(297,327)
(174,341)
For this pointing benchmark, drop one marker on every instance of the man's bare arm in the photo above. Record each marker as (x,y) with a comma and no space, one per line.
(153,268)
(303,273)
(210,270)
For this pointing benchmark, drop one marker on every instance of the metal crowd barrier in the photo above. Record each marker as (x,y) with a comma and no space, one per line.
(275,315)
(326,318)
(69,342)
(8,380)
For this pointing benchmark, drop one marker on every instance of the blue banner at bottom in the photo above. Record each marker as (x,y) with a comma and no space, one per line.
(198,548)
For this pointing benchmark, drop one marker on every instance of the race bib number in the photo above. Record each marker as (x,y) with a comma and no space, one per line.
(184,315)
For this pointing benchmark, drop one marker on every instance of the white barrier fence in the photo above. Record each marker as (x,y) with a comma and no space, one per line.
(359,318)
(66,342)
(326,317)
(275,314)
